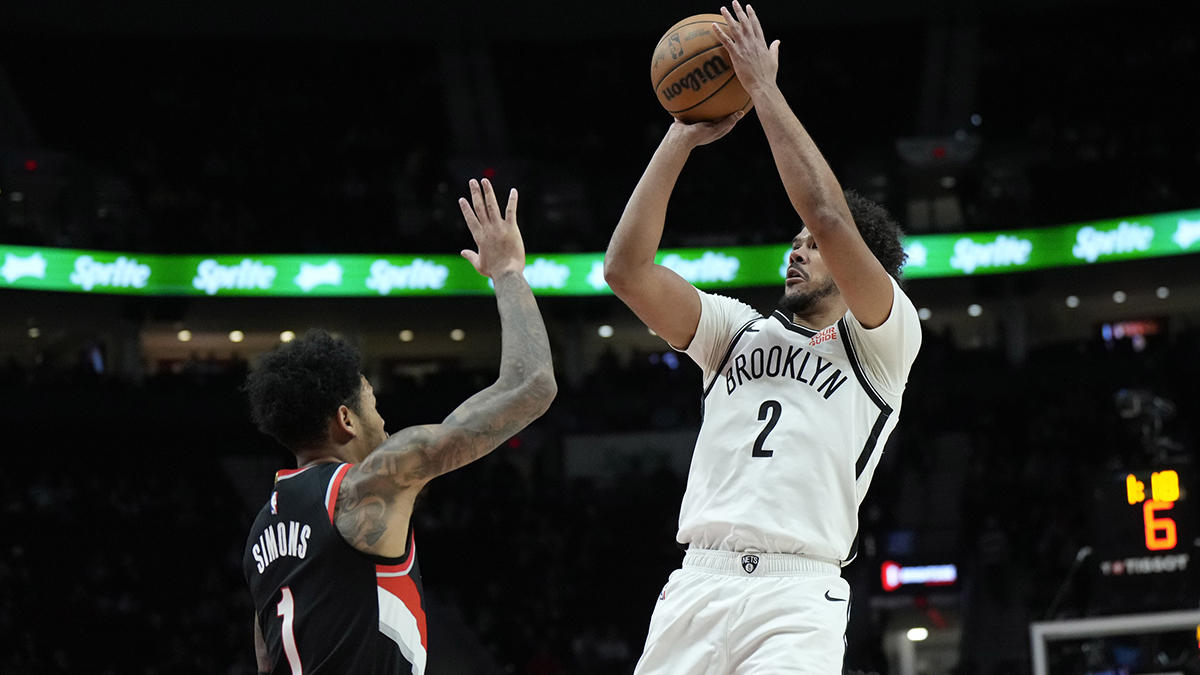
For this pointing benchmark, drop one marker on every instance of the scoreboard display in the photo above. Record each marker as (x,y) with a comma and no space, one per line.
(1144,542)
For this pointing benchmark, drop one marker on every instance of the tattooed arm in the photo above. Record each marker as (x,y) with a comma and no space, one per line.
(374,502)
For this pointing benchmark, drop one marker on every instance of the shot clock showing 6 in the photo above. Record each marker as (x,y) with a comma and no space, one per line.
(1162,534)
(1144,539)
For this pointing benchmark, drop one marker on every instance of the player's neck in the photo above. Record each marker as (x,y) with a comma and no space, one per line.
(822,316)
(324,455)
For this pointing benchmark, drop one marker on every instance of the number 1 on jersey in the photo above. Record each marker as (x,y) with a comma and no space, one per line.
(770,411)
(287,609)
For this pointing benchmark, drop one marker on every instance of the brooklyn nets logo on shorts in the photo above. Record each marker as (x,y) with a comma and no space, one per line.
(749,563)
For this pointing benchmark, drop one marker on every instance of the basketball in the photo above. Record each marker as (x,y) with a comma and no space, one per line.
(692,73)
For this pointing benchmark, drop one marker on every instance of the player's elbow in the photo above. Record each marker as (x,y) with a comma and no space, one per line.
(544,385)
(541,388)
(620,275)
(549,392)
(614,271)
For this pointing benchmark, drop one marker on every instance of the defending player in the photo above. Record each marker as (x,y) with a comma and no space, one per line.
(330,560)
(796,407)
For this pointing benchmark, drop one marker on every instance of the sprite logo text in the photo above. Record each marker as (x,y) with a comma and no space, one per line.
(710,267)
(212,276)
(121,273)
(419,274)
(1003,252)
(1091,243)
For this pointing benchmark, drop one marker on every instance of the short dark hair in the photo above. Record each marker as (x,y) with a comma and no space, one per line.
(296,388)
(881,233)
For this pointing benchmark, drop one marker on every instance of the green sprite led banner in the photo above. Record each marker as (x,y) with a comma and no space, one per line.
(929,256)
(1154,236)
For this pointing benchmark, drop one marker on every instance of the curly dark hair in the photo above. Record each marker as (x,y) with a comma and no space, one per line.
(881,233)
(295,389)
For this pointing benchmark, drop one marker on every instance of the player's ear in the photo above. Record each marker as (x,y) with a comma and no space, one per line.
(343,427)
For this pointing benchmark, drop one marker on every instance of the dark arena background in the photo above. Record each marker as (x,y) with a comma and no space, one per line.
(1031,514)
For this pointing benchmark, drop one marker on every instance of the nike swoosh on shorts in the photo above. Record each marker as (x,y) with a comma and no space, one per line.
(832,599)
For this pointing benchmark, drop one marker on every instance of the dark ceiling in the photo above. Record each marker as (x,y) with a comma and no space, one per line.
(451,20)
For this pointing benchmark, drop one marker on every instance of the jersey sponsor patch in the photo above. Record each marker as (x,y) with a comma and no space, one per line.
(824,336)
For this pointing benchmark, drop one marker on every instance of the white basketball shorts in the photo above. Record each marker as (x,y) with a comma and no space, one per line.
(736,613)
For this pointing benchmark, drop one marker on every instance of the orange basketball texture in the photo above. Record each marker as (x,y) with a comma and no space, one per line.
(693,75)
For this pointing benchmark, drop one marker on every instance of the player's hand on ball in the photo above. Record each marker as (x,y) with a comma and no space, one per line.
(703,133)
(499,240)
(754,62)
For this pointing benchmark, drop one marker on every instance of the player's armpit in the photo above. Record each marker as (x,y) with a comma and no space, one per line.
(367,507)
(260,649)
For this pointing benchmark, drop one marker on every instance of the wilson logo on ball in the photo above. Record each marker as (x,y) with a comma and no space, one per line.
(692,75)
(710,70)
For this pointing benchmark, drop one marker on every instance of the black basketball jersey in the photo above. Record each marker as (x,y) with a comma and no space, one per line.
(325,607)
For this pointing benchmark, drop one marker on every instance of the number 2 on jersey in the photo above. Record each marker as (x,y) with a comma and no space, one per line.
(287,609)
(773,410)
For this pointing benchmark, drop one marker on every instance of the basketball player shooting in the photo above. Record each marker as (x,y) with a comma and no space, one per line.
(331,560)
(796,406)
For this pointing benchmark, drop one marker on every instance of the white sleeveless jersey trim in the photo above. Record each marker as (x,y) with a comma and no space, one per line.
(885,410)
(334,481)
(786,452)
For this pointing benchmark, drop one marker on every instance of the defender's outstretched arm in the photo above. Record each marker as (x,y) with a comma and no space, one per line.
(661,298)
(374,501)
(811,186)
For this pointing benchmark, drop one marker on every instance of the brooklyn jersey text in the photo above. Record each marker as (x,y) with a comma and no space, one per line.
(794,421)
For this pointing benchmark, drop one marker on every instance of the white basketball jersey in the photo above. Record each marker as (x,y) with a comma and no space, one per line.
(794,421)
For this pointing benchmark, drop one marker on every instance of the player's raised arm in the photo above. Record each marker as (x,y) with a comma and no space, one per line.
(810,183)
(661,298)
(374,501)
